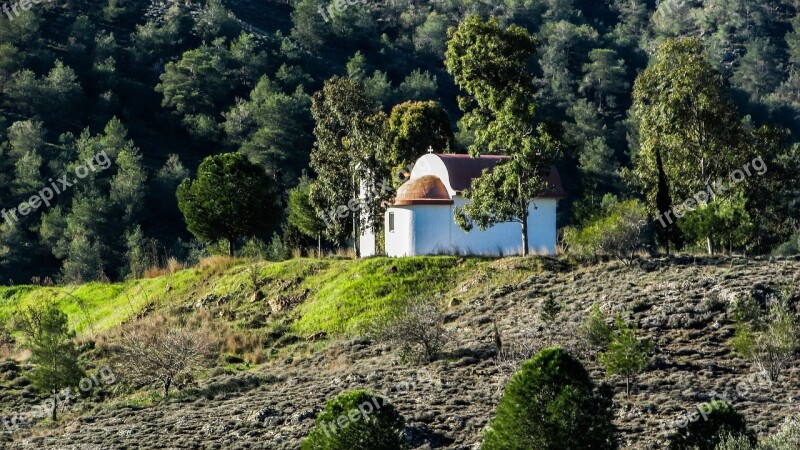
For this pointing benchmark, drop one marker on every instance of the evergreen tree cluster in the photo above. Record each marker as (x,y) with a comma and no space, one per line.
(161,86)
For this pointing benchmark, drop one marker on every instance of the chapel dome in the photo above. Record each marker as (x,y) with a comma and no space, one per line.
(425,190)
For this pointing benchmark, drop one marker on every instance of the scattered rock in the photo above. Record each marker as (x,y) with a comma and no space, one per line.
(317,336)
(256,296)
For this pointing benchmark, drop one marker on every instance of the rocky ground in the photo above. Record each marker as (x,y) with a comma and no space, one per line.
(682,304)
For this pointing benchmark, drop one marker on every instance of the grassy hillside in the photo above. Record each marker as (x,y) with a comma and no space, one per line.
(312,296)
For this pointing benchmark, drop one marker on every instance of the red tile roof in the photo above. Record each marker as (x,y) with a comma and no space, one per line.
(462,169)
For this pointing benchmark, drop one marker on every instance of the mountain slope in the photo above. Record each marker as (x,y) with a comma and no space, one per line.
(683,304)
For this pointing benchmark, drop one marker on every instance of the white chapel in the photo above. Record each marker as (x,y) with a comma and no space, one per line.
(420,221)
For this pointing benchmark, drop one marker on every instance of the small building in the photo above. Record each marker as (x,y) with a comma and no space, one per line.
(421,219)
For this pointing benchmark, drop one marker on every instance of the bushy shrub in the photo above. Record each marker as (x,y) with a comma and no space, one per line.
(619,231)
(746,309)
(357,420)
(723,224)
(707,432)
(788,438)
(735,442)
(744,341)
(770,341)
(551,403)
(789,248)
(418,328)
(594,330)
(255,248)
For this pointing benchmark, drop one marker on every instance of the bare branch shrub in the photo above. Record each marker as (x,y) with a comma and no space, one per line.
(419,330)
(157,350)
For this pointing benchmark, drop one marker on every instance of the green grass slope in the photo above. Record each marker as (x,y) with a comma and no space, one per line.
(333,296)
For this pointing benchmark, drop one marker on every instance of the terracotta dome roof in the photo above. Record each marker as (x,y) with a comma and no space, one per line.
(425,190)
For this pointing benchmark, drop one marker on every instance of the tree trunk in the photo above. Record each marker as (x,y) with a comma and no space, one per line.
(525,237)
(525,245)
(356,215)
(356,234)
(230,247)
(167,384)
(319,245)
(54,411)
(664,204)
(709,245)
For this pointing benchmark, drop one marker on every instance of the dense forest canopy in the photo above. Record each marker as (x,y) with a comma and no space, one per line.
(158,86)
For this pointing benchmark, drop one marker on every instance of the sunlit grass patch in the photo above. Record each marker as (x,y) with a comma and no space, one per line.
(370,289)
(331,295)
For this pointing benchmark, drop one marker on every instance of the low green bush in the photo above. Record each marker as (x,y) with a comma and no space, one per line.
(788,438)
(552,404)
(789,248)
(734,442)
(621,230)
(709,429)
(357,420)
(595,330)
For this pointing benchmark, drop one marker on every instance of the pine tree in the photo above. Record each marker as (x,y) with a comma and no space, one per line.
(627,355)
(53,352)
(231,198)
(551,403)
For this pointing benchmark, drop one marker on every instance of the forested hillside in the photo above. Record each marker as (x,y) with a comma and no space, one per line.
(139,92)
